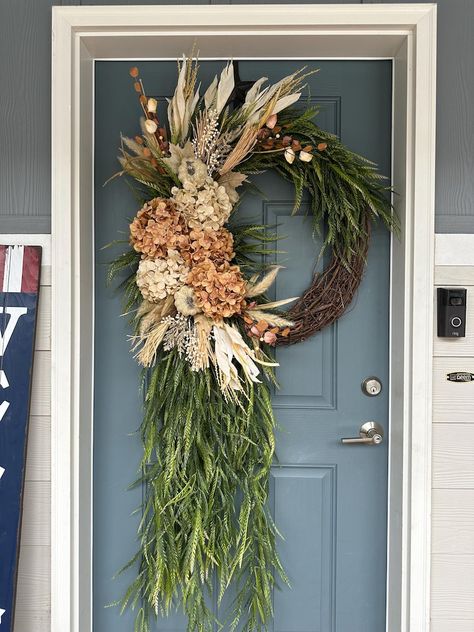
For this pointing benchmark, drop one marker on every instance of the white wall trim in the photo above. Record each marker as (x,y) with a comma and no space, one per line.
(43,240)
(406,33)
(454,250)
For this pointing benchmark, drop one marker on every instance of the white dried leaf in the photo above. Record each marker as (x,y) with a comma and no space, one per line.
(285,102)
(254,91)
(210,94)
(225,87)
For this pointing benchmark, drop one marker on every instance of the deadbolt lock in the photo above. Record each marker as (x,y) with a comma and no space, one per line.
(371,386)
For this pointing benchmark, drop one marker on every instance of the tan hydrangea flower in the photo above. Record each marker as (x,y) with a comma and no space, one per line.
(209,244)
(159,278)
(207,207)
(219,289)
(157,228)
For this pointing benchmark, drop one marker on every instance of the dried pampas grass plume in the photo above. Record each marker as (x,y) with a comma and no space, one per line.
(150,342)
(151,329)
(255,288)
(272,319)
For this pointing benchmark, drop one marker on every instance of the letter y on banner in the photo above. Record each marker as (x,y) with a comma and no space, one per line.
(19,286)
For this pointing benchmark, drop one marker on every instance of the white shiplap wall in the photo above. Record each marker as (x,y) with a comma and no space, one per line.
(452,607)
(453,463)
(33,603)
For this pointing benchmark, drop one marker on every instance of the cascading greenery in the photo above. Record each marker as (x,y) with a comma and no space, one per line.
(205,516)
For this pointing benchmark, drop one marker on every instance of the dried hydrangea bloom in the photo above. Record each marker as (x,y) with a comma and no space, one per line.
(210,244)
(194,171)
(208,207)
(159,278)
(157,228)
(219,289)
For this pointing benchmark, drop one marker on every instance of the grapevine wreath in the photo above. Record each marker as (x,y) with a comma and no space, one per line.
(204,330)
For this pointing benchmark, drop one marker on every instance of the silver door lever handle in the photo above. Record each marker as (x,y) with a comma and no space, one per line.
(370,433)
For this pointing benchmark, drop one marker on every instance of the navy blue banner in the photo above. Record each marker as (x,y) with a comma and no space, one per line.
(17,332)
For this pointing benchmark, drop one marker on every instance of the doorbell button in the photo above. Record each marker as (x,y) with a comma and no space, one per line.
(456,321)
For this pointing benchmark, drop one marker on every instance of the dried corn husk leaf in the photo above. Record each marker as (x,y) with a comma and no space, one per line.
(210,94)
(225,87)
(285,102)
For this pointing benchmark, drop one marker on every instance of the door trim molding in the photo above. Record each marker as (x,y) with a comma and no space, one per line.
(405,33)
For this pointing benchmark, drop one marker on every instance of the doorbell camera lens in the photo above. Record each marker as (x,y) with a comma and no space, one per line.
(455,300)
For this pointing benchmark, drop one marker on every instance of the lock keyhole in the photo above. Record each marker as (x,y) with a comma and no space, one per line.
(371,386)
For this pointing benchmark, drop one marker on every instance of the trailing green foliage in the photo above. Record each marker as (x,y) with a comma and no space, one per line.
(205,519)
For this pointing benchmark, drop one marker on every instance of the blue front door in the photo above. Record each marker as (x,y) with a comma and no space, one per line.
(329,499)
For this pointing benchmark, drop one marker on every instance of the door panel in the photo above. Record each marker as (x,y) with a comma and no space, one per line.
(329,500)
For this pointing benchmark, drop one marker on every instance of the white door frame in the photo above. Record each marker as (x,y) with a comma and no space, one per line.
(407,34)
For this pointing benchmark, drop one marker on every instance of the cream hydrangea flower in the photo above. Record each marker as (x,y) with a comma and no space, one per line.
(159,278)
(206,207)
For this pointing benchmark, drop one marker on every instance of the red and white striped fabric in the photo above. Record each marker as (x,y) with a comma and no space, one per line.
(19,268)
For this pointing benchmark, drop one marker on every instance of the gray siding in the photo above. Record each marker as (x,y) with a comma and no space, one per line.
(25,77)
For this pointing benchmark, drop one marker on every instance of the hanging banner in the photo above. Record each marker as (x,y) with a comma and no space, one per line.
(19,286)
